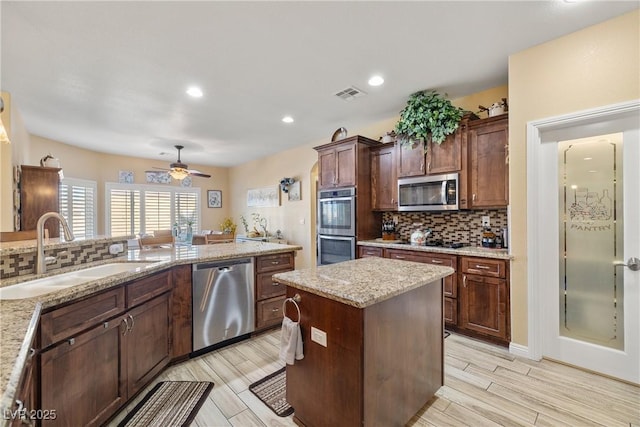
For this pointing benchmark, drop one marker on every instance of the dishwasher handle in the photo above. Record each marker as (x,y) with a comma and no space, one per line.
(221,264)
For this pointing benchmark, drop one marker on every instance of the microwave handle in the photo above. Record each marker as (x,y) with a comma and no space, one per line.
(335,237)
(443,192)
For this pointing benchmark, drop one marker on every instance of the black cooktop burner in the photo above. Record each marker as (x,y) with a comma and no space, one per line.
(440,243)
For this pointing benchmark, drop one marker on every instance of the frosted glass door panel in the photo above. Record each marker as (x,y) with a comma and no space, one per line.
(591,239)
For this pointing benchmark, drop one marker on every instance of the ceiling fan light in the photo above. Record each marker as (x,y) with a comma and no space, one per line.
(179,173)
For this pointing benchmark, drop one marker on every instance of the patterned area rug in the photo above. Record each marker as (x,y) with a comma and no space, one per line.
(169,403)
(272,390)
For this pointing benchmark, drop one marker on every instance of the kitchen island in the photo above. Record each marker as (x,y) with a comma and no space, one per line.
(372,332)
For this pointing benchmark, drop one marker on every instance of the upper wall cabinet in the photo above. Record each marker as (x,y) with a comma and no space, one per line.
(39,189)
(342,163)
(446,157)
(384,183)
(488,172)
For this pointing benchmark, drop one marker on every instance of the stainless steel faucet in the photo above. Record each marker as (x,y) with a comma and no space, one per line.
(41,261)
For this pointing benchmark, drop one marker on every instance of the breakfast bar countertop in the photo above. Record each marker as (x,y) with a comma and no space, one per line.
(363,282)
(18,317)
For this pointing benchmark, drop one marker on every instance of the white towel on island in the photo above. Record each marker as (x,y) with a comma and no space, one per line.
(290,341)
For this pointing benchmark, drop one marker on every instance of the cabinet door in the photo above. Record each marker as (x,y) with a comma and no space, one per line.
(327,168)
(346,165)
(483,305)
(447,156)
(39,188)
(269,312)
(147,342)
(489,168)
(82,378)
(267,288)
(410,159)
(384,181)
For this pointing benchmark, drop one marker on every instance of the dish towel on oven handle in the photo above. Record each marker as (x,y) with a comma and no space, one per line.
(290,341)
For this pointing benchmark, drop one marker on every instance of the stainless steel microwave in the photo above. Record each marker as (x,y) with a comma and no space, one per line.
(429,193)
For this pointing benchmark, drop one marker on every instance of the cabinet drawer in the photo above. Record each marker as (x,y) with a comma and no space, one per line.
(267,288)
(269,312)
(366,251)
(67,321)
(450,311)
(483,266)
(146,288)
(280,262)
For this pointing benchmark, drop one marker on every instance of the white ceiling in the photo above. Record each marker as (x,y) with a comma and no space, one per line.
(111,76)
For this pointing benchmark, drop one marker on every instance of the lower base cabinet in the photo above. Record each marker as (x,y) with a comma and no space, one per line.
(270,295)
(87,376)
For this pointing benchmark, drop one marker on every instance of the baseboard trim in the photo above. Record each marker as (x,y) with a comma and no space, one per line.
(520,350)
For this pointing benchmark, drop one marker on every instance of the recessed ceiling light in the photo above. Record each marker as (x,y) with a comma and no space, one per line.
(287,119)
(195,92)
(376,81)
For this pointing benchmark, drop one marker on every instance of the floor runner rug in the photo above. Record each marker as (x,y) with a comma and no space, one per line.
(272,391)
(169,404)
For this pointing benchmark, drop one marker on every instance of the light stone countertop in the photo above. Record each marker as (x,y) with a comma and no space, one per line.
(365,281)
(475,251)
(18,318)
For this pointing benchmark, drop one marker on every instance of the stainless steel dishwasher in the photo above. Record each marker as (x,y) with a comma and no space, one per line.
(223,301)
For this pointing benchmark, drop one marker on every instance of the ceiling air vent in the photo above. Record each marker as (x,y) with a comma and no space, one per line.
(350,93)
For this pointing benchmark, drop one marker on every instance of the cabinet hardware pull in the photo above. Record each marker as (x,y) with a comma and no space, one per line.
(399,257)
(429,166)
(422,166)
(126,326)
(436,261)
(483,267)
(275,310)
(474,197)
(275,262)
(464,280)
(275,283)
(105,325)
(72,341)
(132,323)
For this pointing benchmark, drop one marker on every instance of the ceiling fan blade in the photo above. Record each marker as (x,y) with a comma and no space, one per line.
(194,172)
(162,169)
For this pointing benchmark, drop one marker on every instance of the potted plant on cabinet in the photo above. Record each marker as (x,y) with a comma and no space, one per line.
(428,116)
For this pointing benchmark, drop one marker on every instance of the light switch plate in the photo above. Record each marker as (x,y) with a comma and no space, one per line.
(319,336)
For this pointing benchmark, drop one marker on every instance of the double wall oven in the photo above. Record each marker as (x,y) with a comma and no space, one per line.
(336,225)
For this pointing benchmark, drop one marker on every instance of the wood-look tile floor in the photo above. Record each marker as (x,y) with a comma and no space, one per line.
(485,385)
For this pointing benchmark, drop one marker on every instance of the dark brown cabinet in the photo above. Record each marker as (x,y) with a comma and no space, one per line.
(96,355)
(488,171)
(367,251)
(446,157)
(484,297)
(269,294)
(450,283)
(384,181)
(344,163)
(181,323)
(39,193)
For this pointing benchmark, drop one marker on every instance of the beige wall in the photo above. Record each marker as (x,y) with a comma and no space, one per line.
(85,164)
(594,67)
(6,186)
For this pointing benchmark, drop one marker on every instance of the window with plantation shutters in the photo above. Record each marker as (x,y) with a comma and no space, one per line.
(78,206)
(137,208)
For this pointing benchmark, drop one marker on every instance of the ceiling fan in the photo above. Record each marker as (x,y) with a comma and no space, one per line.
(179,170)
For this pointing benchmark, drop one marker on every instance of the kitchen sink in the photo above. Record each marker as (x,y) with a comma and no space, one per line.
(45,285)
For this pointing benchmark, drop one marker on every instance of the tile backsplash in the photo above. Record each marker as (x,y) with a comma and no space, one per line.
(24,263)
(459,226)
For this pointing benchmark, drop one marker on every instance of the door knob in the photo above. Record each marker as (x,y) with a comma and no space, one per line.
(633,263)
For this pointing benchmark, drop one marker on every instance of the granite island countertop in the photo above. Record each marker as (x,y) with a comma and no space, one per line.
(465,250)
(18,318)
(365,281)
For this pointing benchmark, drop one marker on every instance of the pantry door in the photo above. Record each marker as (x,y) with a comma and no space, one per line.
(590,284)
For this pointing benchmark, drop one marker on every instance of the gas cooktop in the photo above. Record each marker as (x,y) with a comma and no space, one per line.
(440,243)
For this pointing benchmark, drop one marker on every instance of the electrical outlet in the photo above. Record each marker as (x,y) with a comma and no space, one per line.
(486,222)
(319,336)
(395,219)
